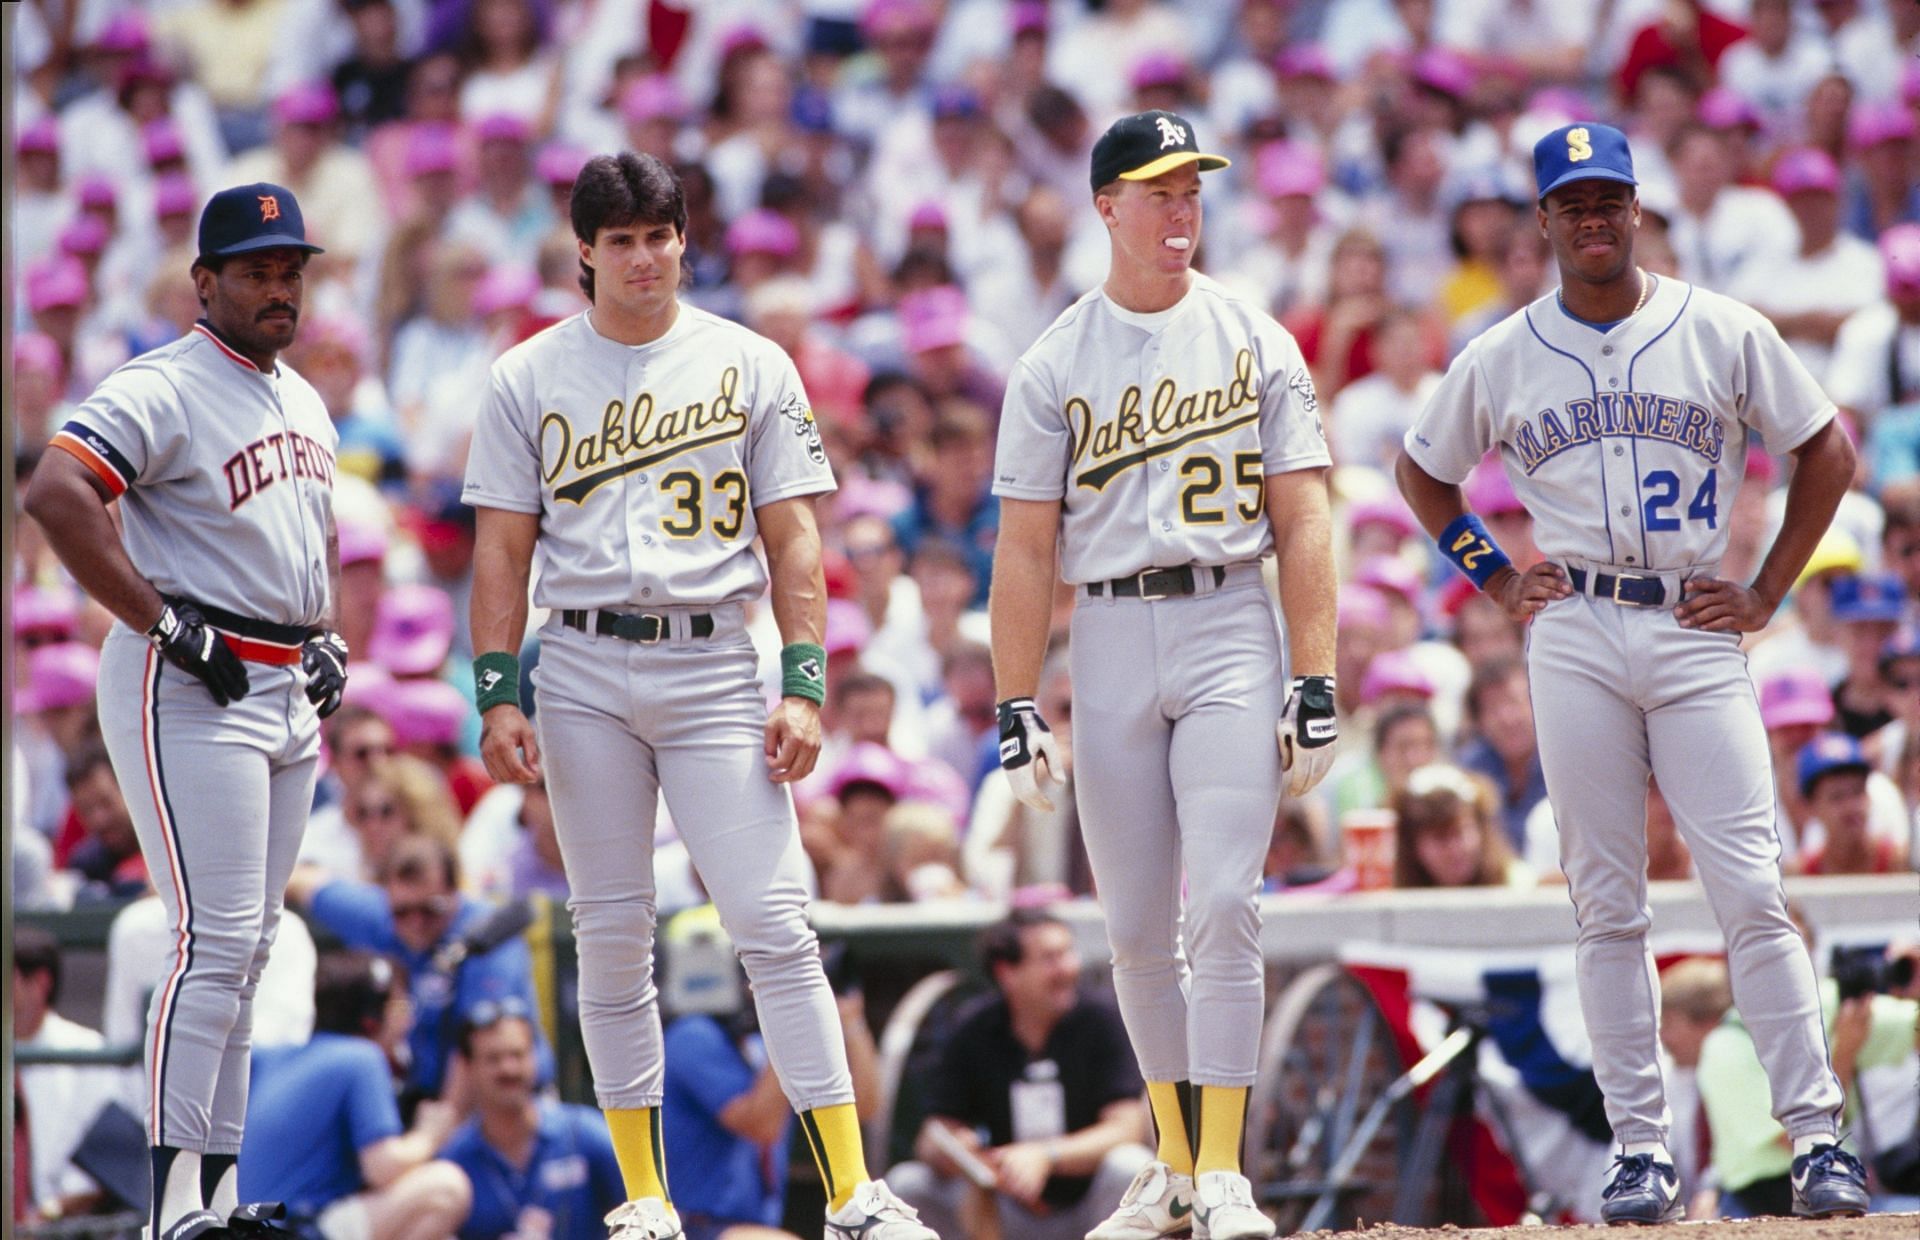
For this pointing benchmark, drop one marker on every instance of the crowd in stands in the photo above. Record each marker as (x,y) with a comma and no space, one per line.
(895,192)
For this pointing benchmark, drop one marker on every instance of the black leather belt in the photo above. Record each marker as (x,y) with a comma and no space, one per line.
(645,628)
(1157,583)
(1626,589)
(247,626)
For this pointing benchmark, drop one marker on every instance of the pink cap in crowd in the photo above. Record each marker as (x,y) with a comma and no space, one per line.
(1394,671)
(742,36)
(412,630)
(928,214)
(935,783)
(509,286)
(85,237)
(1029,17)
(96,192)
(1900,254)
(1721,108)
(1761,471)
(847,627)
(1807,168)
(934,318)
(886,17)
(502,127)
(1288,167)
(307,103)
(361,542)
(762,231)
(1490,491)
(1444,70)
(174,195)
(1388,510)
(426,711)
(56,282)
(1795,695)
(38,611)
(125,31)
(62,674)
(1158,68)
(41,137)
(868,763)
(1362,607)
(559,163)
(1390,574)
(371,686)
(1304,60)
(161,141)
(432,147)
(652,97)
(1874,123)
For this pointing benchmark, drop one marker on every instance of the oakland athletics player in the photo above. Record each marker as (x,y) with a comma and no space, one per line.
(214,681)
(1622,406)
(635,451)
(1163,435)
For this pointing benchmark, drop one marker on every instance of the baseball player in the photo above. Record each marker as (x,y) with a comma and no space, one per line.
(1162,437)
(1622,406)
(222,663)
(633,453)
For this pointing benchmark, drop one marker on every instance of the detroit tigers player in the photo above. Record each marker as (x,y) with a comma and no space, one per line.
(222,663)
(1622,406)
(633,453)
(1163,436)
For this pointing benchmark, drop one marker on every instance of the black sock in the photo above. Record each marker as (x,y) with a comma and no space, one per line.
(212,1167)
(163,1156)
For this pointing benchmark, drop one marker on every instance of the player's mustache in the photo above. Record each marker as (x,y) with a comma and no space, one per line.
(289,311)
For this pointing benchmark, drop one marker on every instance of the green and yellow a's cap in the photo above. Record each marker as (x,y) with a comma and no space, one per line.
(1146,144)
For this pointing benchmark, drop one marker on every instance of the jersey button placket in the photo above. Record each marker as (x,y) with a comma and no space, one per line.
(642,500)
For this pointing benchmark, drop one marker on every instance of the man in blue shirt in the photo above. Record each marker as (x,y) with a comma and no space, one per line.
(1503,747)
(538,1167)
(417,915)
(323,1127)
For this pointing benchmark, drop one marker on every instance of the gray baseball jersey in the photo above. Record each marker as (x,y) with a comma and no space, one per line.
(224,476)
(1157,431)
(1628,446)
(645,462)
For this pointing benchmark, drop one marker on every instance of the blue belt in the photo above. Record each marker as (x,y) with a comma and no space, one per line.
(1625,589)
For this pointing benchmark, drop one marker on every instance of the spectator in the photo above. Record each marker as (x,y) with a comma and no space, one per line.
(867,785)
(508,69)
(324,1133)
(1404,740)
(225,46)
(57,720)
(64,1099)
(951,502)
(1876,355)
(509,848)
(1336,337)
(332,353)
(1668,858)
(1370,416)
(416,915)
(959,727)
(1503,748)
(1882,194)
(1833,771)
(107,858)
(335,183)
(429,717)
(1037,1082)
(1868,607)
(371,82)
(1695,996)
(1010,845)
(1447,833)
(1721,226)
(507,215)
(1813,637)
(538,1167)
(359,745)
(724,1112)
(922,854)
(1483,213)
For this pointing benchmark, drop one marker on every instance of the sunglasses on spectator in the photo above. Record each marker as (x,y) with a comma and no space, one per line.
(368,752)
(434,906)
(381,809)
(489,1012)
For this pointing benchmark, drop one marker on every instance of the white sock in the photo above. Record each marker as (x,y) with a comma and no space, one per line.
(1804,1145)
(226,1193)
(1656,1148)
(181,1194)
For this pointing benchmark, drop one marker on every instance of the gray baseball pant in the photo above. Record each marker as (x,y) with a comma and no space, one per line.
(1177,774)
(620,724)
(219,799)
(1618,693)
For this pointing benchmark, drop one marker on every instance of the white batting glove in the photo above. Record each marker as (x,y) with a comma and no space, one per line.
(1028,753)
(1309,733)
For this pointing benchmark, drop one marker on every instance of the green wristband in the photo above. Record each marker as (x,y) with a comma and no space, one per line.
(496,680)
(803,672)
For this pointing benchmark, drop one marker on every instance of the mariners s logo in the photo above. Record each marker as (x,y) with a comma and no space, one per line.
(794,409)
(1579,145)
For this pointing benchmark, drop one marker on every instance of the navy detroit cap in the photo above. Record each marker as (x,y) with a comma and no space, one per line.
(1146,144)
(1582,151)
(261,216)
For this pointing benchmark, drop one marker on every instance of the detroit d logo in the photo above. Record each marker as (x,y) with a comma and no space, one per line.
(1170,133)
(269,208)
(794,409)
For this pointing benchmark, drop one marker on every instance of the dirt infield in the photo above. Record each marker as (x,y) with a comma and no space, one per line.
(1873,1227)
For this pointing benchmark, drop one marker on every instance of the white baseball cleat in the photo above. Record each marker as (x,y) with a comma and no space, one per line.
(1158,1203)
(875,1213)
(649,1218)
(1223,1209)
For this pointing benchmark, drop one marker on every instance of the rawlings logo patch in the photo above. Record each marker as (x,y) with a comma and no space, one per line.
(794,409)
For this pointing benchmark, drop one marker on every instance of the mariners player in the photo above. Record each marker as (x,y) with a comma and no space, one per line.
(223,661)
(1162,436)
(1622,406)
(629,457)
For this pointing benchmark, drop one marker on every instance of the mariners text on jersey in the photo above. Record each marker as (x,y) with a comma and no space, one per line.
(1638,415)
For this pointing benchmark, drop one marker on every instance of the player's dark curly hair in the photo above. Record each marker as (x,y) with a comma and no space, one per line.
(616,191)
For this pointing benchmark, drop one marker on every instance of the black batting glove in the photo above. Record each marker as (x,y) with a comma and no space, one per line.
(1028,752)
(183,639)
(323,657)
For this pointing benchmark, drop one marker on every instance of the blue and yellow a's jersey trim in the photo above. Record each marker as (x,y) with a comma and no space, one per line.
(106,461)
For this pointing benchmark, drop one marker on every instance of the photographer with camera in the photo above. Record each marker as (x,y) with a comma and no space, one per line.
(1872,1022)
(725,1117)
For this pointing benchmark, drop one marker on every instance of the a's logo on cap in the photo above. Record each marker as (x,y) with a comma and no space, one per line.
(1579,145)
(269,207)
(1170,133)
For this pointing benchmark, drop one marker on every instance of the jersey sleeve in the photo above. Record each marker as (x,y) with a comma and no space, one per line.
(1030,460)
(785,456)
(131,430)
(1456,428)
(1292,433)
(1778,396)
(503,465)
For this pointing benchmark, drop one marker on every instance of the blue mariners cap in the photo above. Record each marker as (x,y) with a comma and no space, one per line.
(261,216)
(1582,151)
(1828,754)
(1145,145)
(1869,596)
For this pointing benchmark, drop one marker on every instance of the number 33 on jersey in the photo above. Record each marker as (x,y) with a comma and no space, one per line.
(645,463)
